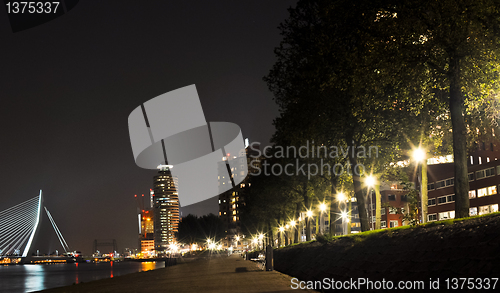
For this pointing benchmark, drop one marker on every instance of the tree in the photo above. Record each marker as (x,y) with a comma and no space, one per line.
(193,229)
(457,40)
(327,76)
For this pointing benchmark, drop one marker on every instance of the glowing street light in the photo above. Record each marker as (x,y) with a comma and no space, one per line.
(238,238)
(370,181)
(344,216)
(261,236)
(292,223)
(341,197)
(322,208)
(282,229)
(309,213)
(419,155)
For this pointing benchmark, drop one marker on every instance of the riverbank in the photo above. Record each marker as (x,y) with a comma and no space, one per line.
(205,274)
(448,249)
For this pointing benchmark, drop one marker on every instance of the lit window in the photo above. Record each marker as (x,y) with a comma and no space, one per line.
(383,224)
(447,215)
(473,211)
(472,194)
(393,223)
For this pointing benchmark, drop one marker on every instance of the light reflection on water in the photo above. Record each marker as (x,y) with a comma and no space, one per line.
(28,278)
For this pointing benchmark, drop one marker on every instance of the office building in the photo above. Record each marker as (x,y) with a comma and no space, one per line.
(166,209)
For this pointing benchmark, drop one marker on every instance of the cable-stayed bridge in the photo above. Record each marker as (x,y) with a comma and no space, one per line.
(19,224)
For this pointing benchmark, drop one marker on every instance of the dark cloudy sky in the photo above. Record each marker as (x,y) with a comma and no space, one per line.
(68,86)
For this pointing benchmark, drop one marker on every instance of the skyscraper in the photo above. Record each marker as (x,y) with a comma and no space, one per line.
(166,209)
(231,201)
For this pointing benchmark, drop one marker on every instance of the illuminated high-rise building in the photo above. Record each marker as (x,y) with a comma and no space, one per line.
(166,208)
(231,201)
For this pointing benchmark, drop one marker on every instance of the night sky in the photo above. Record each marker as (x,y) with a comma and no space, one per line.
(68,86)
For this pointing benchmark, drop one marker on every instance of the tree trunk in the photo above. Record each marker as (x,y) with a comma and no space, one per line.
(296,228)
(378,205)
(334,207)
(270,234)
(349,219)
(360,197)
(317,224)
(423,191)
(308,219)
(459,141)
(307,203)
(279,233)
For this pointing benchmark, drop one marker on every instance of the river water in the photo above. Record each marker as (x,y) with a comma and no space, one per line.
(35,277)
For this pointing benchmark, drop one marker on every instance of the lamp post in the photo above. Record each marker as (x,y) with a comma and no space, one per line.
(346,214)
(322,209)
(345,221)
(237,238)
(292,225)
(420,157)
(281,229)
(372,182)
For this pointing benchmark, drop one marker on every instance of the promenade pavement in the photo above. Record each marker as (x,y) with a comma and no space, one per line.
(212,273)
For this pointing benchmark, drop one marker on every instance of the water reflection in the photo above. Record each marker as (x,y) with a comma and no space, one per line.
(34,280)
(76,280)
(148,265)
(35,277)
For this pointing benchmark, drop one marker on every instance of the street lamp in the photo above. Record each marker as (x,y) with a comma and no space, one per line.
(282,229)
(419,155)
(261,238)
(322,208)
(371,181)
(341,197)
(345,219)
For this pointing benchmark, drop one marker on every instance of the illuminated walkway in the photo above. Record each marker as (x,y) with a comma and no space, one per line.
(211,274)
